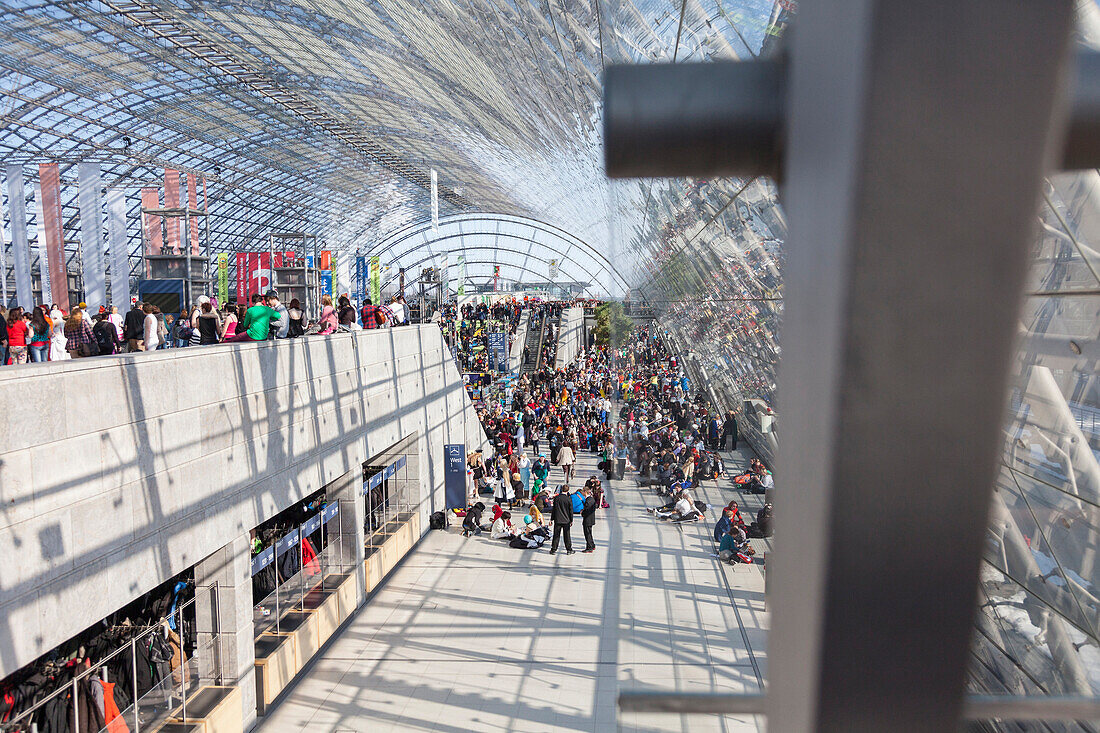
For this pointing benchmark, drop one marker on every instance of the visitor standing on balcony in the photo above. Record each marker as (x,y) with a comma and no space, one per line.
(57,335)
(150,339)
(79,339)
(38,338)
(16,337)
(369,314)
(3,335)
(133,329)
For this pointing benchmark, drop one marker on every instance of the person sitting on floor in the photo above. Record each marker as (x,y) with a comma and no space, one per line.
(684,510)
(532,538)
(533,526)
(536,516)
(736,512)
(721,527)
(674,493)
(762,527)
(502,527)
(471,523)
(760,483)
(733,545)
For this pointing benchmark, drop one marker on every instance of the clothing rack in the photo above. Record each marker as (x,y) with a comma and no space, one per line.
(20,720)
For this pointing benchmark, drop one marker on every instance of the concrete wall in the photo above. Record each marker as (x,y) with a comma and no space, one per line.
(118,473)
(571,338)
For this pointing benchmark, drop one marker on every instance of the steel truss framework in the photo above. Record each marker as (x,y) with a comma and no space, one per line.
(327,116)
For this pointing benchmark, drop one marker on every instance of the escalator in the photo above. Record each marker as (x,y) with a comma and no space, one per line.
(536,324)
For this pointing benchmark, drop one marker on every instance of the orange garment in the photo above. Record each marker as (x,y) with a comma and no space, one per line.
(115,722)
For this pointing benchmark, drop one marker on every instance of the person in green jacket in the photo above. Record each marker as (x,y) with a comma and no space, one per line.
(257,320)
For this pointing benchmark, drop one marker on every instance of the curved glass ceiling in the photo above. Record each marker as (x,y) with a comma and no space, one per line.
(327,116)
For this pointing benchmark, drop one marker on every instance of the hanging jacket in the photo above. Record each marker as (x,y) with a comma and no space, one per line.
(309,557)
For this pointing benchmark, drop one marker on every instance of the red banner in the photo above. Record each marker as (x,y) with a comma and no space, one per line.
(324,260)
(193,203)
(154,241)
(50,183)
(172,201)
(253,275)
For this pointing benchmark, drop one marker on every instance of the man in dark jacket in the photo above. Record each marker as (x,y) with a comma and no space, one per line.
(562,516)
(588,519)
(133,329)
(729,429)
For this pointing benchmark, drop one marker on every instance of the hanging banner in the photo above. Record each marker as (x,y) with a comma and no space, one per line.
(3,269)
(553,270)
(461,289)
(360,279)
(324,260)
(326,282)
(172,201)
(89,184)
(401,281)
(335,268)
(151,234)
(454,476)
(51,242)
(223,277)
(444,281)
(435,201)
(120,248)
(193,204)
(498,357)
(20,243)
(253,275)
(40,227)
(242,278)
(496,277)
(375,281)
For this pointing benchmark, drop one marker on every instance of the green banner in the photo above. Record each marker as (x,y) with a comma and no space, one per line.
(375,281)
(461,290)
(223,278)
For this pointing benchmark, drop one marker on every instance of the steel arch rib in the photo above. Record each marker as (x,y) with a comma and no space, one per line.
(394,239)
(522,268)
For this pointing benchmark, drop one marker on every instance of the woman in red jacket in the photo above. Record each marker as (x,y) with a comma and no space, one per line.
(17,336)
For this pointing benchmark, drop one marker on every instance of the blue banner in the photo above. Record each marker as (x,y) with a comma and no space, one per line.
(330,511)
(326,282)
(454,475)
(390,470)
(262,560)
(400,462)
(360,293)
(498,357)
(309,261)
(311,525)
(289,540)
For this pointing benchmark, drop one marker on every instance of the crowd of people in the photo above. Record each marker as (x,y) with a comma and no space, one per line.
(633,408)
(48,333)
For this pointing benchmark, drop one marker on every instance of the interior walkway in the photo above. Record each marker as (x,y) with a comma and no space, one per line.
(472,635)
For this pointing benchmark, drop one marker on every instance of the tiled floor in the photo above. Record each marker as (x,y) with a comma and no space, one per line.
(471,635)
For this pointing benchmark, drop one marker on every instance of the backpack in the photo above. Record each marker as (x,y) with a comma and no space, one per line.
(438,520)
(380,317)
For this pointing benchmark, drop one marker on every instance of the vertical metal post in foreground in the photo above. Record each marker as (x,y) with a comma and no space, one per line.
(917,138)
